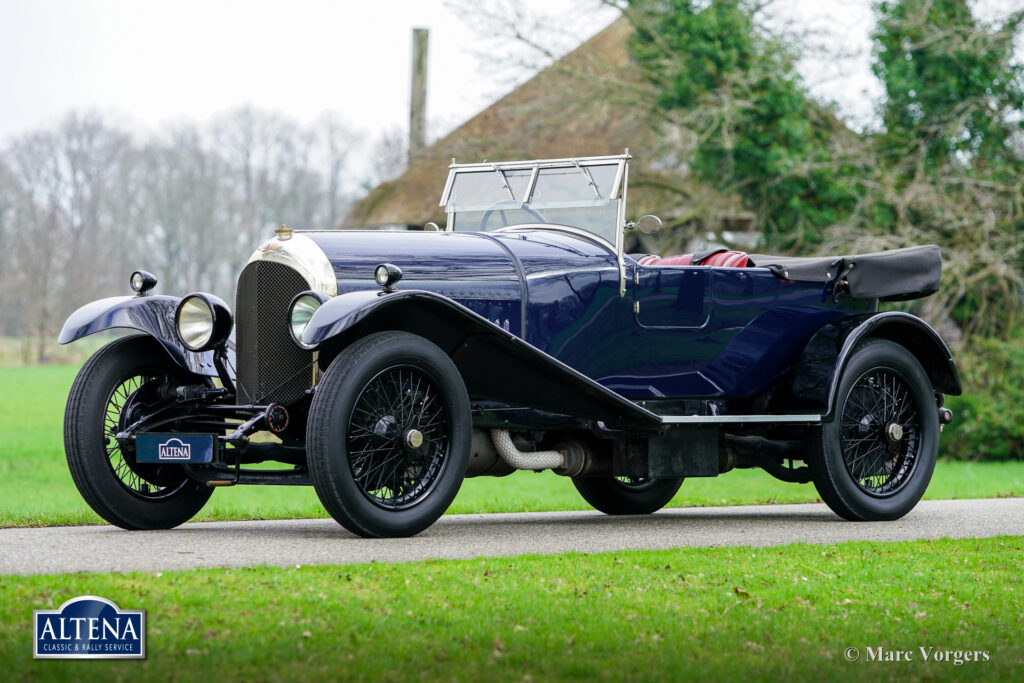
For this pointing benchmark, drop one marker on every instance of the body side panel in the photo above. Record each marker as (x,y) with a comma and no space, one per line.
(699,331)
(495,363)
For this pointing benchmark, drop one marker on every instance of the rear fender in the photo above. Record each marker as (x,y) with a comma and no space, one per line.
(820,369)
(494,364)
(152,314)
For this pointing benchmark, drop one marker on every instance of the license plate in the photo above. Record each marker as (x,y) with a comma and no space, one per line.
(174,448)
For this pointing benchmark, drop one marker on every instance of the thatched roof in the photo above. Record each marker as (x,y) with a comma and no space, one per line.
(586,104)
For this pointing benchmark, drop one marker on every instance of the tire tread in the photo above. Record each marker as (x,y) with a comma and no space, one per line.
(606,495)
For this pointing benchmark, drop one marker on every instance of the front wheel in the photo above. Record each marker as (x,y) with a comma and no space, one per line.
(110,393)
(627,495)
(388,435)
(875,459)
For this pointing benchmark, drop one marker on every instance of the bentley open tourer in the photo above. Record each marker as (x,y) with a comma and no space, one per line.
(384,367)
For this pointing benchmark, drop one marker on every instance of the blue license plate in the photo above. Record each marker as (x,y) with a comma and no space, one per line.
(174,447)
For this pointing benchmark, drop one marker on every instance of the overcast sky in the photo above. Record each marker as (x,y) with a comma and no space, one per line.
(154,61)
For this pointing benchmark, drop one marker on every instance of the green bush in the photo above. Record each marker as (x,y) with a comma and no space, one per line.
(988,420)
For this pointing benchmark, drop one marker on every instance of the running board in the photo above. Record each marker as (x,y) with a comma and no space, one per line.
(739,419)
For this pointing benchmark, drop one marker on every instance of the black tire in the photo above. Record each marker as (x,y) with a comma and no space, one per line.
(366,472)
(875,460)
(624,496)
(126,494)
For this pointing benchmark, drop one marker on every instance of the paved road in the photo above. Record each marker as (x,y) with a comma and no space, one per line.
(318,541)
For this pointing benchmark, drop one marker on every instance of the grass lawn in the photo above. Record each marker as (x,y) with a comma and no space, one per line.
(18,351)
(36,489)
(785,613)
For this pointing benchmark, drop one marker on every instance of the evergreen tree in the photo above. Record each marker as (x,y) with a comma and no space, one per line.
(950,156)
(951,85)
(758,133)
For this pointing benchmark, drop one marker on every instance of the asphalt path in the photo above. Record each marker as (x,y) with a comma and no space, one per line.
(292,542)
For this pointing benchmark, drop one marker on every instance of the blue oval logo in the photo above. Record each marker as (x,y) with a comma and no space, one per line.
(89,627)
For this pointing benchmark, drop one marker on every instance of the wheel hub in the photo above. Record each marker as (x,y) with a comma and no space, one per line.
(397,444)
(894,432)
(134,406)
(413,438)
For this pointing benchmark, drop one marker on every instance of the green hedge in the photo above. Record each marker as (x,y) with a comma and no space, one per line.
(988,420)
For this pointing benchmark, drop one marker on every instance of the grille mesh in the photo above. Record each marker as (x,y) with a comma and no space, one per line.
(271,368)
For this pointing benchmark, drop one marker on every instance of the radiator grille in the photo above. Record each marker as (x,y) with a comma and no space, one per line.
(271,368)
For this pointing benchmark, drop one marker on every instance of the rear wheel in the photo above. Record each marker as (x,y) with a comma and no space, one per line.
(388,435)
(627,495)
(875,460)
(107,396)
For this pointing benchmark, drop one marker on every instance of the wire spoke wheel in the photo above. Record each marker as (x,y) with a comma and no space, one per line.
(635,483)
(398,437)
(122,409)
(880,434)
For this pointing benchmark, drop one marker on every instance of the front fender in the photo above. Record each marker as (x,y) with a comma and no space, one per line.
(153,314)
(344,311)
(494,363)
(820,369)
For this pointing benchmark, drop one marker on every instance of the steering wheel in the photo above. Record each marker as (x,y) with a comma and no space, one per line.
(503,204)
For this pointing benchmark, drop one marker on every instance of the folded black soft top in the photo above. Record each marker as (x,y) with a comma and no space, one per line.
(895,275)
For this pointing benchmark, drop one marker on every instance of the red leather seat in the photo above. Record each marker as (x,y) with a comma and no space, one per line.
(727,259)
(652,260)
(722,259)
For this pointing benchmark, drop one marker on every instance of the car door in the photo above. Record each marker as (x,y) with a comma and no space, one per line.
(671,297)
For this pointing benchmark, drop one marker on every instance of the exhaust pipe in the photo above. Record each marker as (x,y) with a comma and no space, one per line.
(570,459)
(533,460)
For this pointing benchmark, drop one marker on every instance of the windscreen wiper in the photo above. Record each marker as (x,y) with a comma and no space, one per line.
(504,181)
(590,179)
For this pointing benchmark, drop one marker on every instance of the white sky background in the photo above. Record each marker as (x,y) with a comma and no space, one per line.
(157,61)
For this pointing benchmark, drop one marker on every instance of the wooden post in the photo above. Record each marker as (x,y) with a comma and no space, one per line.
(418,97)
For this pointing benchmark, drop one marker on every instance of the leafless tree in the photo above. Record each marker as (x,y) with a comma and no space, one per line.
(37,242)
(333,143)
(83,203)
(388,155)
(82,164)
(183,191)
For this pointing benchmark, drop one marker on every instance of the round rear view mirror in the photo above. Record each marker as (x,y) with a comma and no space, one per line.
(648,224)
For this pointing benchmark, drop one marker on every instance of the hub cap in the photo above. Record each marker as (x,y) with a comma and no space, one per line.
(894,431)
(414,438)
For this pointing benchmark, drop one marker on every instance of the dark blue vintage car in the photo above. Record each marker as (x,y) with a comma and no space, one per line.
(384,367)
